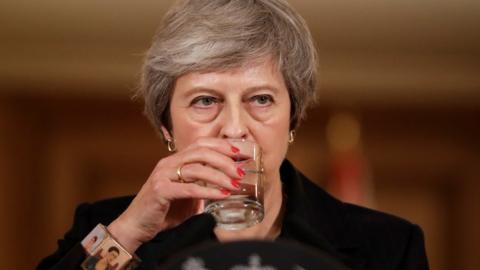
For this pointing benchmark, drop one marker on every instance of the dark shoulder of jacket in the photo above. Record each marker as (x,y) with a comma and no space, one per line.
(372,222)
(86,217)
(387,236)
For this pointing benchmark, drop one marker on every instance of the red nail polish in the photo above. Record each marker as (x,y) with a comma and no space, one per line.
(235,150)
(235,183)
(225,191)
(240,172)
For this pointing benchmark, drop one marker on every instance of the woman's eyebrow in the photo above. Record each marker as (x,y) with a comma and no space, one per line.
(262,87)
(194,90)
(215,92)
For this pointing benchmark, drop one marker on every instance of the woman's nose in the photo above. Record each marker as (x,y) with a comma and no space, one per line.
(234,125)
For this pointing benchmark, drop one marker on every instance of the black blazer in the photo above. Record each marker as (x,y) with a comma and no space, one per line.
(361,238)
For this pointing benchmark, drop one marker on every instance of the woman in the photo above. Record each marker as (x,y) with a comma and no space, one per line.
(218,70)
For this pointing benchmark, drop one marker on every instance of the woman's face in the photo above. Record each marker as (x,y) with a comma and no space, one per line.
(251,102)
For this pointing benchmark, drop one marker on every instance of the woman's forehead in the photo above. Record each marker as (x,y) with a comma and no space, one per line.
(243,64)
(264,73)
(263,66)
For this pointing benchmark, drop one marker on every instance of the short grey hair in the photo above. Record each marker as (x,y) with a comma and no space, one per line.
(213,35)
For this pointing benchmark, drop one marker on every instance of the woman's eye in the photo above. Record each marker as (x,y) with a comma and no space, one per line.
(204,101)
(262,99)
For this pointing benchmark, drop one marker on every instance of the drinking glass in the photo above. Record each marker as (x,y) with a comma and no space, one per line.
(244,207)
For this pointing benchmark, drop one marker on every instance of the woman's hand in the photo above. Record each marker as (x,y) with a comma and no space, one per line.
(165,200)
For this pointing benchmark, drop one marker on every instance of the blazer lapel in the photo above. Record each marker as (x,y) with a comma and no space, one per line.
(315,217)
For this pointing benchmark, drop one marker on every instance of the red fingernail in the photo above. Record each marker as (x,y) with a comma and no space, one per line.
(235,183)
(235,149)
(240,172)
(225,191)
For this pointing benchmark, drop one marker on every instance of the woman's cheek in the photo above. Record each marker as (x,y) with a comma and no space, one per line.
(191,124)
(273,137)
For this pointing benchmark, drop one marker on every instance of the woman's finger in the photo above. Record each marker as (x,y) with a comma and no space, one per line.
(197,172)
(219,145)
(195,191)
(206,156)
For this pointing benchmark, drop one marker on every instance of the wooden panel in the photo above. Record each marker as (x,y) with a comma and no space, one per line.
(20,178)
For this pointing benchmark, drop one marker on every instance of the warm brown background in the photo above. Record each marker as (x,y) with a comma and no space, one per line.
(408,70)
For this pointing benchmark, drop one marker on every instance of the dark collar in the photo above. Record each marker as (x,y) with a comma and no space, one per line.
(316,218)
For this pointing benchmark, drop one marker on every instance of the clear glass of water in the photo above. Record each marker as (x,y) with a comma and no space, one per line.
(244,207)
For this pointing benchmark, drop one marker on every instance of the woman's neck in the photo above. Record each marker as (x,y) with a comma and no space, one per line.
(270,227)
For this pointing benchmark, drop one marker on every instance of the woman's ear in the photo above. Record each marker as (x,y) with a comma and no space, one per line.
(166,134)
(168,139)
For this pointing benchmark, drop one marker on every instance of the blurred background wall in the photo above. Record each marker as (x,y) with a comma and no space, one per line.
(396,126)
